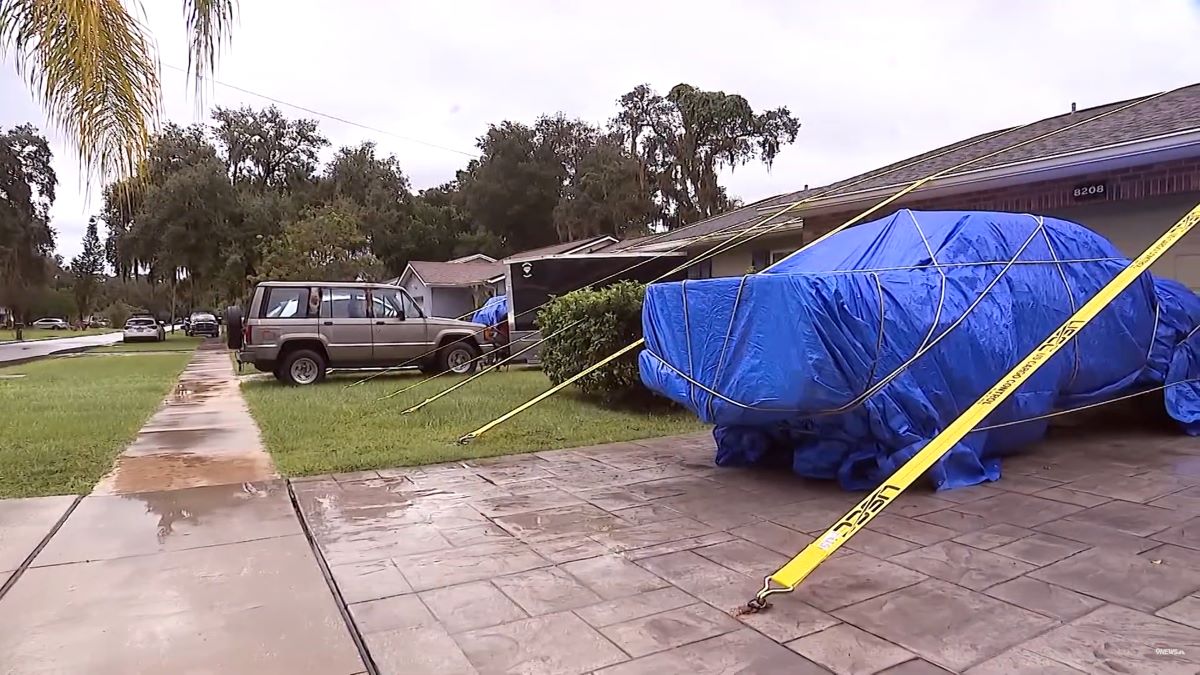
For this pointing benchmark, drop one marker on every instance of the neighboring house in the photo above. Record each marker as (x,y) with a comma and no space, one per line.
(453,288)
(1129,176)
(457,287)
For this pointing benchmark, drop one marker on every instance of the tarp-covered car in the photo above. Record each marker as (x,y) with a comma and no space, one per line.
(846,358)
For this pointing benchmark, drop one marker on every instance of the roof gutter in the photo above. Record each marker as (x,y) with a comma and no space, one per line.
(782,227)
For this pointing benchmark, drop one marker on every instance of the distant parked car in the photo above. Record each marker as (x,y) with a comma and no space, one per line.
(142,329)
(202,323)
(298,330)
(51,324)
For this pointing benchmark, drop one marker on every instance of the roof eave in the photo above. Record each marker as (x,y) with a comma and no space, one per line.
(1117,152)
(587,256)
(719,236)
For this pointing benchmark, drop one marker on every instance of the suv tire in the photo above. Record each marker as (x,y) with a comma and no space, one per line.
(302,367)
(233,327)
(458,358)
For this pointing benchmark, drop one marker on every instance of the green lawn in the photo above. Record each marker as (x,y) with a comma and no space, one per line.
(328,428)
(46,334)
(64,422)
(175,342)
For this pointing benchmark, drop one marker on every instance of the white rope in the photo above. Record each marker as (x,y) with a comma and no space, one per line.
(937,315)
(1154,331)
(983,263)
(1071,297)
(737,301)
(879,339)
(687,334)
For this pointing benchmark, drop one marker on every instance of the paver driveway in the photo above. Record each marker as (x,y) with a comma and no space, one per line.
(631,558)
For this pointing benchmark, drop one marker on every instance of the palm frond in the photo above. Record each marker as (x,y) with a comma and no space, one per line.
(209,23)
(93,67)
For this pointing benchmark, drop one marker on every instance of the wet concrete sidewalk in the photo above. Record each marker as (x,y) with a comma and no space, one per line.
(202,435)
(632,559)
(204,580)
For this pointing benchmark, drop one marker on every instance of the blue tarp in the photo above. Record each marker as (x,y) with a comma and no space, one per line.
(493,311)
(846,358)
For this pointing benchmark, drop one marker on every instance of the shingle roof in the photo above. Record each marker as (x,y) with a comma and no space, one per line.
(555,249)
(737,217)
(455,274)
(1174,112)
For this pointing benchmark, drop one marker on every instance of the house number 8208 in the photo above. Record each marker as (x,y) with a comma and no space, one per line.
(1089,190)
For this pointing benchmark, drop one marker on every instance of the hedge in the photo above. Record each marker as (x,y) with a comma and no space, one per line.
(608,319)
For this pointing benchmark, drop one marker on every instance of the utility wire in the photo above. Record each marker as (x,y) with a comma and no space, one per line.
(329,116)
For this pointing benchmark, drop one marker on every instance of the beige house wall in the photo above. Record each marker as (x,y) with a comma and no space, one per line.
(737,261)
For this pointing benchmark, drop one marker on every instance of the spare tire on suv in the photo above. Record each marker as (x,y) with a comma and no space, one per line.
(233,327)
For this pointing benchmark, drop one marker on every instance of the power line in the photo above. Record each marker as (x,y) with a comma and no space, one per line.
(335,118)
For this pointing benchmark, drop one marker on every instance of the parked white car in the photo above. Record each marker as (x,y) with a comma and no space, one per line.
(140,329)
(51,324)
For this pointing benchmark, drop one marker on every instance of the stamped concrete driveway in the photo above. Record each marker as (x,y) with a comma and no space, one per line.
(632,558)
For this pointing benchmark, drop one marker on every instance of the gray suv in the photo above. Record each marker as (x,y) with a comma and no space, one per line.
(298,330)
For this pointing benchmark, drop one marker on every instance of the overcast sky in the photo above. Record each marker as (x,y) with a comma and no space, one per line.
(871,81)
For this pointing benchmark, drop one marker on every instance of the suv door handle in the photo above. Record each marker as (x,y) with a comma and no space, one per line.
(380,323)
(327,323)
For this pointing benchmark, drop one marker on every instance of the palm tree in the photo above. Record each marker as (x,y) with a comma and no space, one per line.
(94,69)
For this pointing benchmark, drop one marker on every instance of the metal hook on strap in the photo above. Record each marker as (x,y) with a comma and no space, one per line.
(759,602)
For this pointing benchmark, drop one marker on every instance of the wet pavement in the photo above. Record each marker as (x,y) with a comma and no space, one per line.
(632,558)
(17,352)
(204,580)
(202,435)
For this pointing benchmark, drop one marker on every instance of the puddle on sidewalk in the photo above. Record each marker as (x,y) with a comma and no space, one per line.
(202,435)
(178,470)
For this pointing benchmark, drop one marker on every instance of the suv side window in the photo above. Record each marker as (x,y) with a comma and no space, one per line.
(387,304)
(282,302)
(411,309)
(344,303)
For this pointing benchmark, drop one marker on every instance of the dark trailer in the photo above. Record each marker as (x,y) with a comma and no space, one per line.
(533,281)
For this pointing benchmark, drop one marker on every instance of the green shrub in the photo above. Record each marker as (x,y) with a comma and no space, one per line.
(117,314)
(609,318)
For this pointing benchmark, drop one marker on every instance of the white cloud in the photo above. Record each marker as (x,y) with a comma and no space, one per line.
(872,81)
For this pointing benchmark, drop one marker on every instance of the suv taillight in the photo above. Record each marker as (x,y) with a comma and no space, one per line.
(246,334)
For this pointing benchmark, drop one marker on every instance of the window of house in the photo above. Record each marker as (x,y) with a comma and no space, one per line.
(282,302)
(701,270)
(780,254)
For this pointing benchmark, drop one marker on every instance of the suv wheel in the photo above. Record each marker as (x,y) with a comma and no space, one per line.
(459,358)
(302,367)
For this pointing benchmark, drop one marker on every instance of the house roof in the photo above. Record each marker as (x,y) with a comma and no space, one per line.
(729,219)
(454,273)
(1174,112)
(590,243)
(482,257)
